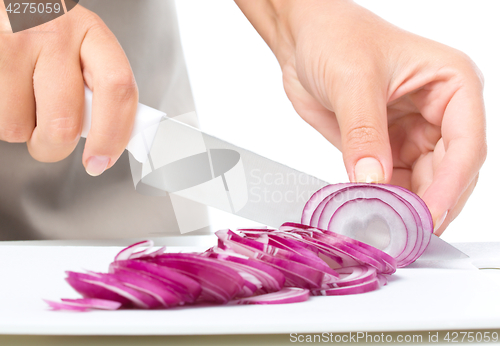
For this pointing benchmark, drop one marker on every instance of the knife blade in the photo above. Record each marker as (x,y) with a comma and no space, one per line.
(176,158)
(440,250)
(185,162)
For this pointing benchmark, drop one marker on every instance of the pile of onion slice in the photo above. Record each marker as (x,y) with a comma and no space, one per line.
(351,237)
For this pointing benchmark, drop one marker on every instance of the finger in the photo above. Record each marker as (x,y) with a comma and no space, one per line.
(310,109)
(4,20)
(361,112)
(464,139)
(457,209)
(411,137)
(17,102)
(58,86)
(108,74)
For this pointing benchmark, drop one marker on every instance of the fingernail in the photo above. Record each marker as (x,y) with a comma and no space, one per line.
(96,165)
(368,170)
(439,222)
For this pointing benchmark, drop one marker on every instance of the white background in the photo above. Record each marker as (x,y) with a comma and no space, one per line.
(239,96)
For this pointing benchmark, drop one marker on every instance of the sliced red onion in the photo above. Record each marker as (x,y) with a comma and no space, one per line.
(329,237)
(270,278)
(316,199)
(350,276)
(391,218)
(332,258)
(94,303)
(286,296)
(382,279)
(264,247)
(129,250)
(366,191)
(144,253)
(296,273)
(384,264)
(418,207)
(254,267)
(65,306)
(364,287)
(350,255)
(183,286)
(149,285)
(248,290)
(373,224)
(84,304)
(289,245)
(252,283)
(106,287)
(218,282)
(421,210)
(292,243)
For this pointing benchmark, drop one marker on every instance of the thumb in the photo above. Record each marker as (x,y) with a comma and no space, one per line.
(362,118)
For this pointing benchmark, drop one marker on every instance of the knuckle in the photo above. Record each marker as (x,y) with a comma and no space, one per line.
(467,69)
(121,84)
(89,18)
(85,19)
(15,133)
(62,131)
(361,136)
(354,78)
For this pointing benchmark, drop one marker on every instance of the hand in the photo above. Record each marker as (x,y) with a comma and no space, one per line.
(402,109)
(42,76)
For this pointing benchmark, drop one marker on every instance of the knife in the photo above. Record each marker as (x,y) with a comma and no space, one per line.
(173,157)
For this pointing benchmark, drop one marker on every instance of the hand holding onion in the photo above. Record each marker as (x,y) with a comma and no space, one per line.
(403,109)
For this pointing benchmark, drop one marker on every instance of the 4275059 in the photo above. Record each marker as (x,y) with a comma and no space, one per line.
(33,7)
(463,337)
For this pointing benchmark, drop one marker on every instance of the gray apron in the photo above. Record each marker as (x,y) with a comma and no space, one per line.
(59,200)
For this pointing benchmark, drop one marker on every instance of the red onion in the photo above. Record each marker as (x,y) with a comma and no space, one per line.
(369,230)
(390,218)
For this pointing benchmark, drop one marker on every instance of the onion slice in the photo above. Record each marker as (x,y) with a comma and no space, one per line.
(364,287)
(219,283)
(84,304)
(286,296)
(129,250)
(183,286)
(104,286)
(387,217)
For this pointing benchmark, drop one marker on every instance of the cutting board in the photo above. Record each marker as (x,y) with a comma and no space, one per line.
(424,296)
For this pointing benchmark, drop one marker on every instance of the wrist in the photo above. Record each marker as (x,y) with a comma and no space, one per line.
(271,20)
(279,21)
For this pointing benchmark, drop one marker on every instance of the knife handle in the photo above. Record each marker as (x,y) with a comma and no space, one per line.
(146,123)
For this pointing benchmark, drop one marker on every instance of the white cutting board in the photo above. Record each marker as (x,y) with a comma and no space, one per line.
(418,298)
